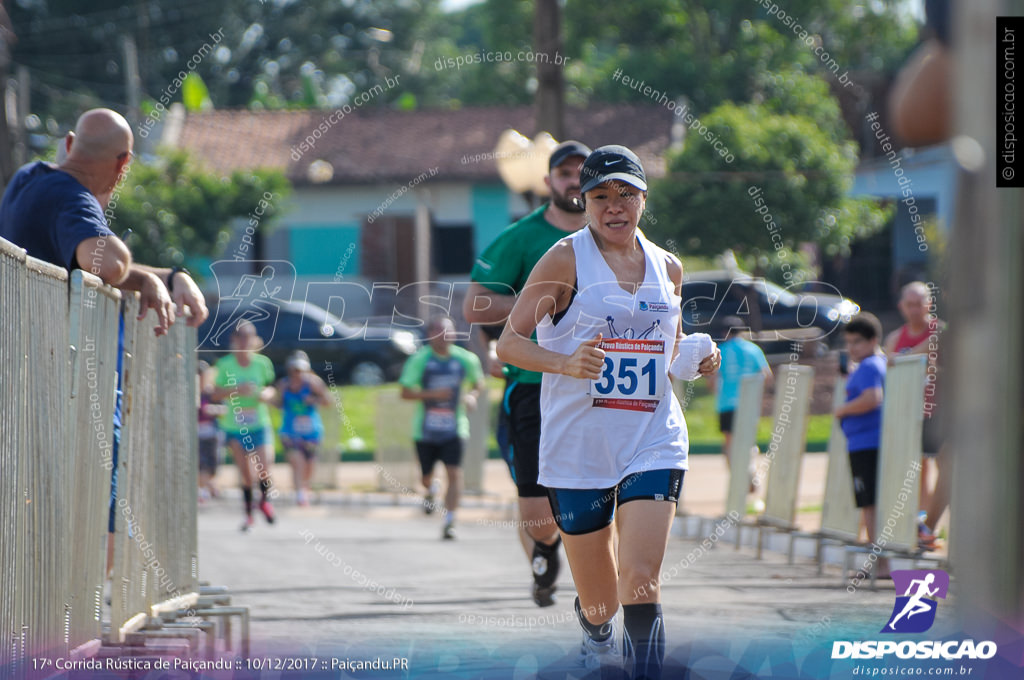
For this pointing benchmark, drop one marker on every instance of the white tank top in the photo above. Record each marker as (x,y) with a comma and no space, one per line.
(594,433)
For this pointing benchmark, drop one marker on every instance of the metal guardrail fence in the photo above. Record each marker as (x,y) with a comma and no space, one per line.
(899,466)
(93,323)
(44,481)
(155,548)
(13,278)
(58,362)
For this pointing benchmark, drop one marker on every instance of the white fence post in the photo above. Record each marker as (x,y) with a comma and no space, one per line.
(840,518)
(899,457)
(744,437)
(395,456)
(476,446)
(793,387)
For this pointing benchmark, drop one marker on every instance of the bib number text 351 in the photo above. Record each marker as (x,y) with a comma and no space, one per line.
(633,369)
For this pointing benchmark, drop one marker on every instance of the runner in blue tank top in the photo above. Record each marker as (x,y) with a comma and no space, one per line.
(302,430)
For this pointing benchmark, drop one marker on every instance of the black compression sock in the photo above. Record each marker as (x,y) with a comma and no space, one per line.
(597,633)
(547,548)
(265,487)
(644,639)
(247,497)
(546,563)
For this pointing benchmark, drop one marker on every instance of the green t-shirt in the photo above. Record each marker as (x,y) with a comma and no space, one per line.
(438,420)
(244,410)
(508,261)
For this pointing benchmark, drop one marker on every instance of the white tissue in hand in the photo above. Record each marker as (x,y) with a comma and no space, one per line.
(692,350)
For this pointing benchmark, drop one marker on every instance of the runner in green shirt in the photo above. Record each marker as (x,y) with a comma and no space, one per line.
(243,384)
(434,376)
(498,276)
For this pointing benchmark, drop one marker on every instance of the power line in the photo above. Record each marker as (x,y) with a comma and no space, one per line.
(35,71)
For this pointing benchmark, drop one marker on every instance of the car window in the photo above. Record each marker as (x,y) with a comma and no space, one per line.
(776,294)
(700,300)
(284,329)
(318,323)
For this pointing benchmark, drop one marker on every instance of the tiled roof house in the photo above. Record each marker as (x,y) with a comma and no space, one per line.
(367,164)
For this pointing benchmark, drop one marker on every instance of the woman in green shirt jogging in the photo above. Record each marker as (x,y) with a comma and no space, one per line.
(243,384)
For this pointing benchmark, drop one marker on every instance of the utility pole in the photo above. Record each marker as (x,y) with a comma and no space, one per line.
(132,82)
(22,109)
(7,167)
(549,101)
(985,390)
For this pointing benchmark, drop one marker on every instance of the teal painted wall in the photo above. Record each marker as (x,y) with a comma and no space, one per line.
(321,250)
(490,214)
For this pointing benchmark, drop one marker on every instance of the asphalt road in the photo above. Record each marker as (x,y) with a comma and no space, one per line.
(361,576)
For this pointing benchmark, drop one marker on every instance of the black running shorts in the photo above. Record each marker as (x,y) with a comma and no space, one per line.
(448,452)
(864,465)
(583,511)
(522,402)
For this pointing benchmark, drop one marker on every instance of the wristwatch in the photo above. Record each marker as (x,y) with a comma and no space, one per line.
(170,277)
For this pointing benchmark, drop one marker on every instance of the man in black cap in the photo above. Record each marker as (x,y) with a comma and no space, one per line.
(498,276)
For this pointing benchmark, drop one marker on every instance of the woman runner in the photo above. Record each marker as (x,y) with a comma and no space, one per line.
(605,303)
(302,430)
(243,386)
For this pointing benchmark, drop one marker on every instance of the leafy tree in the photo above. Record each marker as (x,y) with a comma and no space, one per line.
(321,53)
(787,183)
(707,52)
(277,53)
(316,53)
(712,52)
(495,31)
(176,209)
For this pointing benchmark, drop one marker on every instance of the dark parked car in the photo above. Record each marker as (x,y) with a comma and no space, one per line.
(339,351)
(774,314)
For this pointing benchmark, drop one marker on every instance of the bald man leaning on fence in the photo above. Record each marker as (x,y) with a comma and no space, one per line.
(55,212)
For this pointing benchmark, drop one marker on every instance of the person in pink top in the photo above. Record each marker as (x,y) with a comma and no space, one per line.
(211,439)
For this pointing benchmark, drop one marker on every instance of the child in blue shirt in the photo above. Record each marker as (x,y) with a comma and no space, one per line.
(861,415)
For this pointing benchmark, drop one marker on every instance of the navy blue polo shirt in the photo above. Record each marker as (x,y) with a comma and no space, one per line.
(48,212)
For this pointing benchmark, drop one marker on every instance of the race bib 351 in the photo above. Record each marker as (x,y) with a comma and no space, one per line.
(634,376)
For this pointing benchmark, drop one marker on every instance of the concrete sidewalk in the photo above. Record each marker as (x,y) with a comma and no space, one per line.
(704,487)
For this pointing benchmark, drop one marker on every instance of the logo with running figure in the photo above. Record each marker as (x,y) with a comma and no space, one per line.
(629,333)
(914,611)
(256,298)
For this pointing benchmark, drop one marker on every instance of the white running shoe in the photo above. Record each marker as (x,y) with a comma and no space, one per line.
(594,655)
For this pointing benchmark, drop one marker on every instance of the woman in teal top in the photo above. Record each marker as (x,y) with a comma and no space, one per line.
(244,384)
(302,430)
